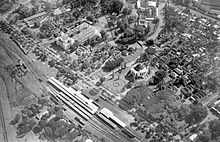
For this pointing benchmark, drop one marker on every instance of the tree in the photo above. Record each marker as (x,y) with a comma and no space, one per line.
(144,57)
(117,6)
(149,42)
(5,7)
(197,114)
(132,19)
(141,31)
(16,119)
(42,123)
(90,18)
(127,11)
(203,138)
(42,101)
(156,20)
(85,65)
(111,65)
(36,129)
(37,24)
(103,34)
(59,114)
(214,127)
(48,131)
(151,51)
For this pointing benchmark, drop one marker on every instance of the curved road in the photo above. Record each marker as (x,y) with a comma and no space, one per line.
(5,108)
(161,22)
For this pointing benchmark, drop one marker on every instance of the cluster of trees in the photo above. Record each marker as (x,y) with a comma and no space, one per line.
(6,6)
(46,30)
(94,40)
(55,127)
(157,78)
(196,115)
(130,35)
(172,20)
(158,109)
(24,121)
(78,4)
(141,31)
(212,134)
(111,6)
(24,11)
(211,84)
(112,64)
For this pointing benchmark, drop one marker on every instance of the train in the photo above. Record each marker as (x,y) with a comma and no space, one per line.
(108,114)
(106,121)
(87,108)
(76,96)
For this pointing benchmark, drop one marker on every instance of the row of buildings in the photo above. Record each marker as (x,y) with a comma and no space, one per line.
(147,11)
(77,35)
(40,16)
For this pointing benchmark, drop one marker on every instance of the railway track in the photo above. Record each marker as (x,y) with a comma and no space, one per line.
(5,136)
(97,125)
(40,76)
(104,130)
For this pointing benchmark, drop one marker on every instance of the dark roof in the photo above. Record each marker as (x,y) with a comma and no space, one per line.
(35,16)
(217,107)
(93,92)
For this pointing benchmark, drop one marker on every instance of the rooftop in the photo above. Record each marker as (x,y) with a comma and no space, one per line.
(35,16)
(145,4)
(85,34)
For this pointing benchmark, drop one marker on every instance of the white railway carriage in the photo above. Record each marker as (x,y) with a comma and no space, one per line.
(107,113)
(75,95)
(106,121)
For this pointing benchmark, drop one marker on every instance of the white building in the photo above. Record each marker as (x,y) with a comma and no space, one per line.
(64,41)
(148,10)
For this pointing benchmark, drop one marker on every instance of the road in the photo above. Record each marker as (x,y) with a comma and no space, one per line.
(5,108)
(14,50)
(161,22)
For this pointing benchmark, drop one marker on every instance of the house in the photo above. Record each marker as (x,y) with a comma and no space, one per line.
(216,107)
(64,41)
(139,70)
(60,11)
(80,34)
(30,20)
(147,11)
(178,71)
(88,140)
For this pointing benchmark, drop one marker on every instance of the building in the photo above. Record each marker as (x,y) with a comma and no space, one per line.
(64,41)
(60,11)
(147,11)
(88,140)
(216,107)
(79,33)
(139,70)
(37,17)
(84,34)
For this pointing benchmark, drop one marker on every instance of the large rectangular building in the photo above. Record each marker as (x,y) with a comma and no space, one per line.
(30,20)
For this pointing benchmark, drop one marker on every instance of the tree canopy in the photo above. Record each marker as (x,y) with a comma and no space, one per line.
(214,127)
(196,115)
(111,65)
